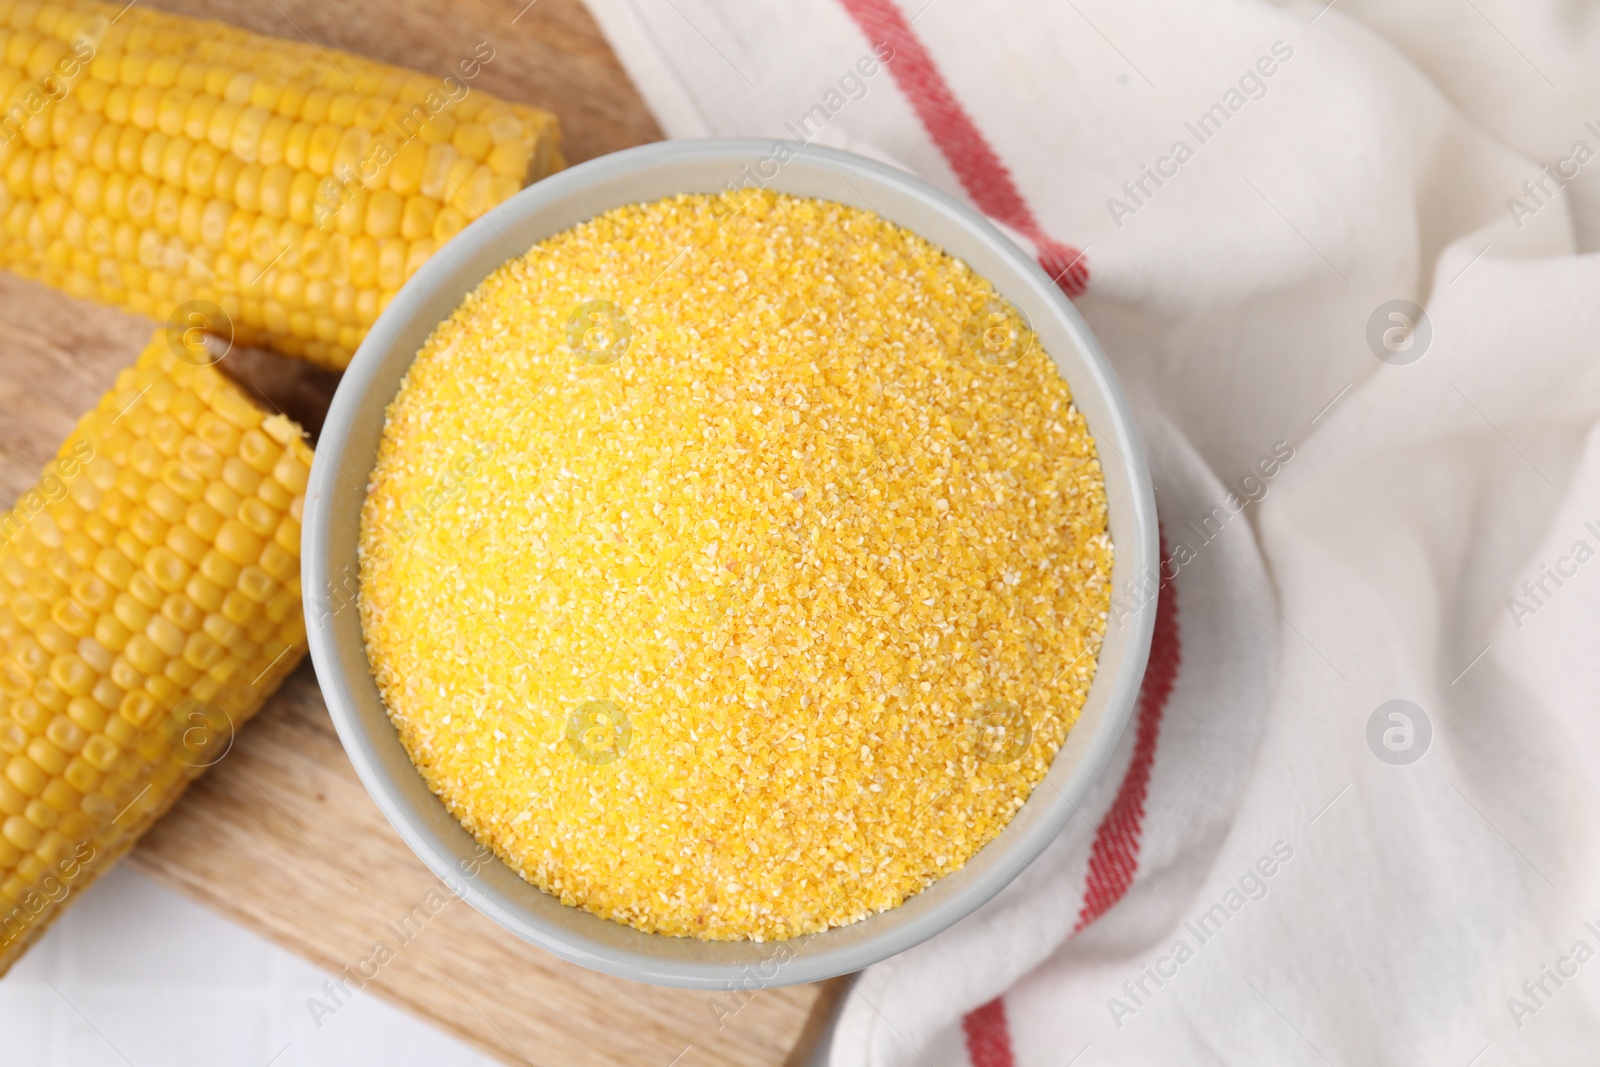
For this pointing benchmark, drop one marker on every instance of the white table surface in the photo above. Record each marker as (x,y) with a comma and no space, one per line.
(134,975)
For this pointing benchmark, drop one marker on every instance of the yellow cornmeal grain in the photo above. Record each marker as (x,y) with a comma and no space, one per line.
(771,622)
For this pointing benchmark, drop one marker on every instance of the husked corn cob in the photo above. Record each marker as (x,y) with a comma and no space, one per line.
(147,160)
(149,602)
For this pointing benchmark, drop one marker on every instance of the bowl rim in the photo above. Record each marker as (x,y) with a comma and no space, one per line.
(1136,548)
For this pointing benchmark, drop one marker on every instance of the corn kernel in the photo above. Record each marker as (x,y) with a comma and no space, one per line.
(256,584)
(100,753)
(81,776)
(13,801)
(25,775)
(20,832)
(237,544)
(40,814)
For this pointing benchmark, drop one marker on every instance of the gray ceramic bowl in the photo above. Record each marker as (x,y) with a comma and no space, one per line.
(348,448)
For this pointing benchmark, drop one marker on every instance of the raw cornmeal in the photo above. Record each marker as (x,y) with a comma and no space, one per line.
(734,567)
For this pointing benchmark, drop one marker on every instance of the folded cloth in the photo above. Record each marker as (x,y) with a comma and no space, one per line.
(1342,255)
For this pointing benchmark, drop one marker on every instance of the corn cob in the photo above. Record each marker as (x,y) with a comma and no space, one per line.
(148,159)
(149,602)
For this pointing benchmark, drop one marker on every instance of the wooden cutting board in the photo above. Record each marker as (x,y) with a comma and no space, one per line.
(281,836)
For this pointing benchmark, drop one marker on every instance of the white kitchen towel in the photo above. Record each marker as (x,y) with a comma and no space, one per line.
(1343,254)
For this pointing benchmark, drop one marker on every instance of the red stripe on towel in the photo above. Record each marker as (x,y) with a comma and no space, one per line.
(988,1037)
(982,174)
(1115,855)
